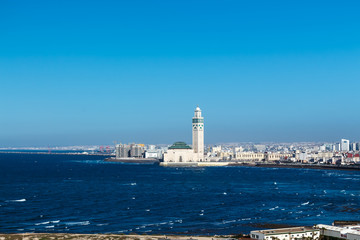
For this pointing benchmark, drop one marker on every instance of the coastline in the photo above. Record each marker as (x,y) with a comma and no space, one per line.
(262,165)
(306,166)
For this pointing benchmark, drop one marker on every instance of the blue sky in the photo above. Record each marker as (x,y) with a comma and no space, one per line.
(94,72)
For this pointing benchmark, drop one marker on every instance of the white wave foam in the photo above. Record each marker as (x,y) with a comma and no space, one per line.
(52,226)
(102,224)
(305,203)
(84,223)
(42,223)
(230,221)
(19,200)
(48,222)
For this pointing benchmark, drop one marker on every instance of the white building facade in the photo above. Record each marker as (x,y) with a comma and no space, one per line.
(345,145)
(334,232)
(295,233)
(180,152)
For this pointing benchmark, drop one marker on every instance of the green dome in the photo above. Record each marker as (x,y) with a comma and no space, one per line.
(180,145)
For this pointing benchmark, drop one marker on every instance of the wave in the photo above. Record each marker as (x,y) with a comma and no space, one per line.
(48,222)
(305,203)
(84,223)
(102,224)
(19,200)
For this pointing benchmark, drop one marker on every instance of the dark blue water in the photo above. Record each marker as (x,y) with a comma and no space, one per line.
(83,194)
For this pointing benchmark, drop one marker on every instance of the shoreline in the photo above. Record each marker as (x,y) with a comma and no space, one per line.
(110,158)
(307,166)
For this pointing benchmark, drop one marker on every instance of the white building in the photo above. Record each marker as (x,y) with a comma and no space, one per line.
(345,145)
(181,152)
(348,232)
(295,233)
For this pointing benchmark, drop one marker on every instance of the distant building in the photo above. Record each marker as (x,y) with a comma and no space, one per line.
(181,152)
(345,145)
(132,150)
(260,148)
(295,233)
(353,147)
(122,151)
(136,150)
(336,147)
(152,152)
(250,156)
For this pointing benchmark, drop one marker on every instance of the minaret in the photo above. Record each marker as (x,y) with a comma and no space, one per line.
(198,133)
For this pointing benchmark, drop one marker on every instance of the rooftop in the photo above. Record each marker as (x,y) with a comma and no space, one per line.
(343,230)
(286,230)
(180,145)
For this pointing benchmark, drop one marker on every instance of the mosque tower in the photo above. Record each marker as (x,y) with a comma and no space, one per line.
(198,134)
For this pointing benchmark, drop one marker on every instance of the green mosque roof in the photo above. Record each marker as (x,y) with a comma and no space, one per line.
(180,145)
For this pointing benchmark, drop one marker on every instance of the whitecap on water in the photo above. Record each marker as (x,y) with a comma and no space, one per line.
(306,203)
(78,223)
(102,224)
(18,200)
(48,222)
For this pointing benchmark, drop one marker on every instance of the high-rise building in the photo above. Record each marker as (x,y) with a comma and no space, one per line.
(198,133)
(353,147)
(122,151)
(345,145)
(136,150)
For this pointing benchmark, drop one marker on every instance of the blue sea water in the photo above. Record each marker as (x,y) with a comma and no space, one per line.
(84,194)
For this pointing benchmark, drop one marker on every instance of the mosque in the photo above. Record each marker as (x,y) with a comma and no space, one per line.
(180,152)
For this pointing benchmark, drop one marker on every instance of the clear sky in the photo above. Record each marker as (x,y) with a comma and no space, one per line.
(92,72)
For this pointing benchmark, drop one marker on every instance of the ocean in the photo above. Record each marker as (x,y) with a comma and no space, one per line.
(84,194)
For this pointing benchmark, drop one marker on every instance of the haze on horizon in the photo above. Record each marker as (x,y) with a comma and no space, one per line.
(94,72)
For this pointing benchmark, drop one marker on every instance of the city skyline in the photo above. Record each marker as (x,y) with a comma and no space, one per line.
(89,73)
